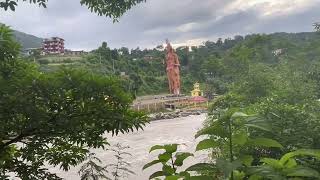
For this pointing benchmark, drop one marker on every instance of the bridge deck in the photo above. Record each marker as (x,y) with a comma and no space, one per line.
(158,102)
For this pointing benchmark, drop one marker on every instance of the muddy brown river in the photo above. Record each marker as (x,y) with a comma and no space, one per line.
(179,130)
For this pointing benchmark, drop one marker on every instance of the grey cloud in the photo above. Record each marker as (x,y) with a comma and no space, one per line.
(148,24)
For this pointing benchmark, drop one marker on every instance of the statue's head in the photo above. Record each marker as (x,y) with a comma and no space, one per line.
(169,47)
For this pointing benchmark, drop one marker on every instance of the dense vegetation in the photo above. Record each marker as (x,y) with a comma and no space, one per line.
(55,118)
(274,78)
(215,64)
(265,124)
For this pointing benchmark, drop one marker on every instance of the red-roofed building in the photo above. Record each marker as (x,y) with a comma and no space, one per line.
(54,45)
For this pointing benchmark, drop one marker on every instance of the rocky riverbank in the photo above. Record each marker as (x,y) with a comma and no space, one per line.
(175,114)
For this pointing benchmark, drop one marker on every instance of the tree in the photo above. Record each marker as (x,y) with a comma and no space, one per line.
(104,52)
(9,51)
(55,117)
(35,54)
(120,168)
(108,8)
(124,51)
(317,26)
(92,169)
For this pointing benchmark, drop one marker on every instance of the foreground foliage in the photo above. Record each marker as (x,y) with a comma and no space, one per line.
(234,149)
(55,117)
(94,169)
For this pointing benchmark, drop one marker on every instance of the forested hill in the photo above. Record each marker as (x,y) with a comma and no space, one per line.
(216,65)
(27,40)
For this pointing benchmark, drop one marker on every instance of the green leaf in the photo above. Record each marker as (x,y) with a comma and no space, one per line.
(164,157)
(246,160)
(258,123)
(206,144)
(265,171)
(171,148)
(240,138)
(215,129)
(175,177)
(151,164)
(291,163)
(168,170)
(300,152)
(156,147)
(261,126)
(180,157)
(12,7)
(255,177)
(202,167)
(238,115)
(227,167)
(272,162)
(237,175)
(303,172)
(200,178)
(264,142)
(184,174)
(157,174)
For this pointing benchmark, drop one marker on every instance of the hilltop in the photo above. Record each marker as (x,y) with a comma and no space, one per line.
(27,40)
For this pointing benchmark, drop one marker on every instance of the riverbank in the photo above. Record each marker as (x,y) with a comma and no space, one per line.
(176,114)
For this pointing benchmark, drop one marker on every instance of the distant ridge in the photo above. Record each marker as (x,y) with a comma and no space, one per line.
(27,40)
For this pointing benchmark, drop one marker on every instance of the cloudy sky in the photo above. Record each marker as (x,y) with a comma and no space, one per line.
(149,24)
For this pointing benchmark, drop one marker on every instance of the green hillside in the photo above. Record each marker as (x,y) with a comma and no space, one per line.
(219,63)
(27,40)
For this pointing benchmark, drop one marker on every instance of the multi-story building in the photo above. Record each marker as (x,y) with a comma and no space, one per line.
(54,45)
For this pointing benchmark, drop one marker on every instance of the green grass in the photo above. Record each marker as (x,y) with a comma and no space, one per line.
(59,60)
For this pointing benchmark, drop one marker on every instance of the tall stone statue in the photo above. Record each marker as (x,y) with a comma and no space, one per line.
(173,69)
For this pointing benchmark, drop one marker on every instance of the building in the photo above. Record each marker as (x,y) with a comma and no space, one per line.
(31,51)
(54,45)
(75,53)
(278,52)
(148,58)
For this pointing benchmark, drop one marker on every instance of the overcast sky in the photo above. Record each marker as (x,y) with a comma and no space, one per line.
(149,24)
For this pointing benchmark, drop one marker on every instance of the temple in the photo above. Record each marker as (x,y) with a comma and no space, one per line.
(196,90)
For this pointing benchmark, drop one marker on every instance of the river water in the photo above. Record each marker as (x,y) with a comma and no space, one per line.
(179,130)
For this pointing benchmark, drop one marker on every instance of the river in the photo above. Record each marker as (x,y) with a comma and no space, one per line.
(179,130)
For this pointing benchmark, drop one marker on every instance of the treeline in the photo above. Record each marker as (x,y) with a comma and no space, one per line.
(214,64)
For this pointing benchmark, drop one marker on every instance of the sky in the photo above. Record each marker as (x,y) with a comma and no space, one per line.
(183,22)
